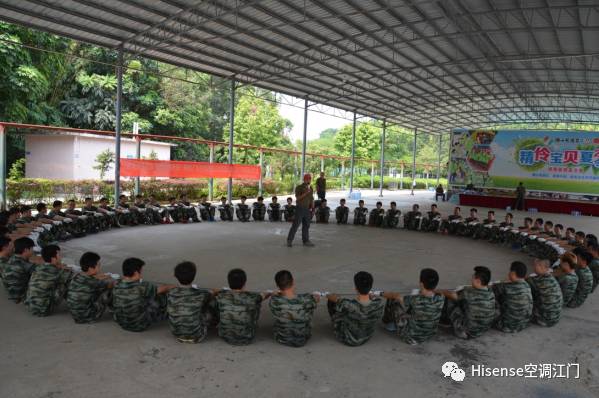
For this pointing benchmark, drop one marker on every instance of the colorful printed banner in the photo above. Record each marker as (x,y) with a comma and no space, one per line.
(181,169)
(557,161)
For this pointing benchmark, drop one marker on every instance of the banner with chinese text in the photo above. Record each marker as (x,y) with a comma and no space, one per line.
(557,161)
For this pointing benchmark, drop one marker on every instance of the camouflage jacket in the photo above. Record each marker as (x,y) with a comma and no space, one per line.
(238,316)
(186,312)
(594,267)
(130,299)
(3,263)
(568,283)
(293,318)
(479,309)
(547,299)
(82,296)
(584,287)
(16,277)
(354,323)
(47,288)
(425,312)
(515,303)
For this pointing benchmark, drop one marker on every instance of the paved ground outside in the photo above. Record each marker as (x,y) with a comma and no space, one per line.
(54,357)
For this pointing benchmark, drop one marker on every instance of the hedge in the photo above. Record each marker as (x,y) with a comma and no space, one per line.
(33,190)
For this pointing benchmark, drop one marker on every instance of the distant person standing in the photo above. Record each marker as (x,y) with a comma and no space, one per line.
(304,200)
(321,186)
(520,194)
(439,192)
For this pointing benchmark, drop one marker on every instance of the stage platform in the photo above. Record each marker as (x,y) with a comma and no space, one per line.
(585,208)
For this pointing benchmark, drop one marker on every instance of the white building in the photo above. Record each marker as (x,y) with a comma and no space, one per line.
(69,156)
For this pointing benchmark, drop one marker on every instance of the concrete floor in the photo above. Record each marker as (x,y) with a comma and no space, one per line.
(54,357)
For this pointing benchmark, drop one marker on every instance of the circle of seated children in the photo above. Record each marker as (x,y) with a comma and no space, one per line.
(566,271)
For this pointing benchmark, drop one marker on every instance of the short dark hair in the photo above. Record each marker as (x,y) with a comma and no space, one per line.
(416,205)
(4,241)
(40,206)
(103,199)
(433,205)
(25,208)
(132,265)
(539,220)
(223,198)
(237,278)
(379,203)
(243,197)
(185,272)
(360,201)
(519,268)
(363,282)
(283,279)
(491,212)
(560,226)
(593,245)
(527,219)
(274,197)
(510,215)
(23,244)
(141,196)
(342,200)
(550,223)
(260,198)
(483,274)
(474,210)
(392,203)
(289,199)
(89,260)
(570,229)
(457,208)
(585,255)
(580,233)
(49,252)
(122,196)
(429,278)
(71,201)
(88,198)
(57,203)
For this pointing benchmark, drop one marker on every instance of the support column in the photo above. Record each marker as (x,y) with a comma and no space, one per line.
(304,141)
(382,158)
(401,176)
(322,164)
(117,131)
(261,172)
(3,195)
(343,175)
(372,176)
(414,160)
(137,152)
(353,156)
(439,161)
(231,130)
(211,182)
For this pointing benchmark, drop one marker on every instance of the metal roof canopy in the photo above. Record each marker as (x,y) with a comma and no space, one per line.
(433,65)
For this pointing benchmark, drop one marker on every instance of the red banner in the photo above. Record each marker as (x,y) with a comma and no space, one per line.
(181,169)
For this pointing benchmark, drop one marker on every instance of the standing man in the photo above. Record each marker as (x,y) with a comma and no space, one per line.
(304,198)
(520,193)
(321,186)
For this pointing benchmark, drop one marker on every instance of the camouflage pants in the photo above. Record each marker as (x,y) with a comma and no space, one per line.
(322,217)
(411,222)
(454,314)
(207,213)
(450,227)
(258,214)
(360,219)
(127,218)
(341,216)
(391,221)
(177,214)
(429,225)
(39,309)
(290,215)
(375,220)
(396,313)
(156,308)
(243,215)
(274,215)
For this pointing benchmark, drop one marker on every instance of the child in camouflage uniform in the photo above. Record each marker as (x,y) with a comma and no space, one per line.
(102,220)
(274,210)
(144,214)
(354,320)
(159,212)
(432,221)
(567,277)
(341,212)
(113,214)
(88,222)
(585,277)
(126,214)
(48,284)
(225,210)
(238,310)
(90,291)
(292,312)
(360,213)
(411,220)
(259,209)
(392,217)
(207,211)
(483,231)
(138,303)
(6,251)
(323,212)
(499,232)
(470,224)
(242,210)
(546,295)
(175,211)
(450,225)
(289,210)
(188,209)
(375,219)
(514,300)
(18,269)
(73,225)
(188,307)
(594,265)
(470,310)
(415,318)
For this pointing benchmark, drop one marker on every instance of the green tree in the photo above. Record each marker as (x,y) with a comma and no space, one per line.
(368,140)
(104,162)
(17,170)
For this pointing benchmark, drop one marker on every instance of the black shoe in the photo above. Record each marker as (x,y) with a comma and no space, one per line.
(308,243)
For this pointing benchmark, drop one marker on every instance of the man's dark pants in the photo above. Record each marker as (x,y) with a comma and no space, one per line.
(321,195)
(303,216)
